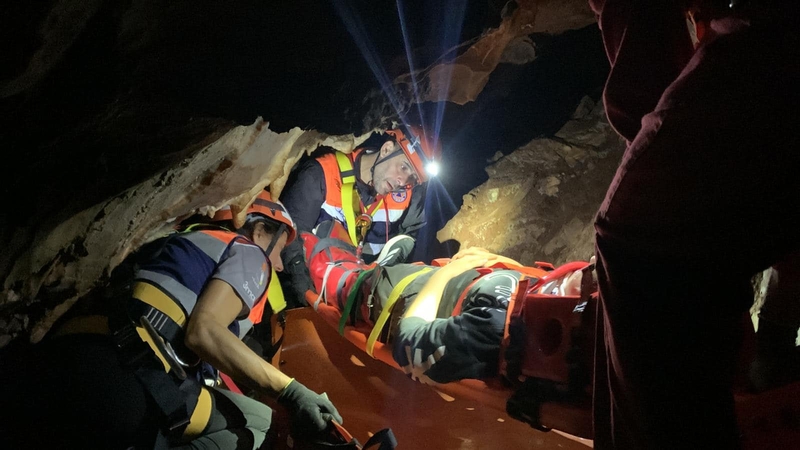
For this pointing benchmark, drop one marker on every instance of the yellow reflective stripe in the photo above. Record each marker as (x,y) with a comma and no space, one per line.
(275,294)
(156,298)
(348,205)
(200,415)
(387,309)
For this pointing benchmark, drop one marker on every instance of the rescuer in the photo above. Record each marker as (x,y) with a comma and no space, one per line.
(704,198)
(373,194)
(122,368)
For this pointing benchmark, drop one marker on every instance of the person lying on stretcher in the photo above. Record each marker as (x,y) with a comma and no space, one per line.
(448,322)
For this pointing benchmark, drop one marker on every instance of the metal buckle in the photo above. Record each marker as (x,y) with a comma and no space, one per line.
(164,348)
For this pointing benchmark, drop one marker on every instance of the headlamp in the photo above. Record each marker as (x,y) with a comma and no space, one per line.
(432,168)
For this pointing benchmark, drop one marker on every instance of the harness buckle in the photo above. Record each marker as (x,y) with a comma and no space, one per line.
(166,351)
(132,349)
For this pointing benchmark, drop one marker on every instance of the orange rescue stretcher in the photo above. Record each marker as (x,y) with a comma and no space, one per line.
(551,373)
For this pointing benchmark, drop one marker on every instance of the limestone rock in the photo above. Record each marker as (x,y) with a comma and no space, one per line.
(539,202)
(461,80)
(70,259)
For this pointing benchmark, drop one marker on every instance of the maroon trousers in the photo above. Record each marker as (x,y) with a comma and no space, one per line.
(707,194)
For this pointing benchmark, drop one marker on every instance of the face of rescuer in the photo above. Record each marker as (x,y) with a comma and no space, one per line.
(393,171)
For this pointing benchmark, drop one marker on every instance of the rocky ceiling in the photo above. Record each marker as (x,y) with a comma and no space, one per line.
(119,118)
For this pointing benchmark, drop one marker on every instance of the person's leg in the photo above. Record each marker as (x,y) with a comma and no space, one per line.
(235,422)
(691,214)
(669,350)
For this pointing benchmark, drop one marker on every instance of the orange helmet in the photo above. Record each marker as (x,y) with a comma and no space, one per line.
(265,206)
(418,150)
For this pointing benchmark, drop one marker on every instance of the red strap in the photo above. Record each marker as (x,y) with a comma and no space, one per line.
(230,384)
(373,206)
(481,272)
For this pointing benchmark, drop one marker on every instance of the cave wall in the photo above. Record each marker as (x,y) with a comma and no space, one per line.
(539,202)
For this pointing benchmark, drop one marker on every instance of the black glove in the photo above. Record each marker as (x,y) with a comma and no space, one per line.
(311,412)
(296,280)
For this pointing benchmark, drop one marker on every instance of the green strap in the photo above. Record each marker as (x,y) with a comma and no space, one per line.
(351,298)
(348,194)
(387,309)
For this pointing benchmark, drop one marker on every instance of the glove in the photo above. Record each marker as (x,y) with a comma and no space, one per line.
(295,274)
(311,412)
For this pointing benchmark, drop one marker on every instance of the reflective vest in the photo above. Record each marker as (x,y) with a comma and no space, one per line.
(172,283)
(343,204)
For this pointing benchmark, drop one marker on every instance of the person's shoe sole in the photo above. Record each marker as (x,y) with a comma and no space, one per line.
(391,249)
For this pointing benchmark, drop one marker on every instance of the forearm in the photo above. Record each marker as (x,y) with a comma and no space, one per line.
(427,301)
(216,345)
(426,304)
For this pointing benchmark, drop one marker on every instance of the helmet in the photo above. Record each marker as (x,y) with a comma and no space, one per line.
(418,150)
(264,205)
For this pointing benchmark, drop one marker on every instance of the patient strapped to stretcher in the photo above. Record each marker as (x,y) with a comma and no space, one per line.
(441,323)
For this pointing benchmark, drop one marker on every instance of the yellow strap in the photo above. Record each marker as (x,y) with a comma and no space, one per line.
(275,294)
(200,415)
(348,193)
(145,336)
(387,309)
(156,298)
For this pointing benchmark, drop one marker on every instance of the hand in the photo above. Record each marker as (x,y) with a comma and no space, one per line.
(462,264)
(311,412)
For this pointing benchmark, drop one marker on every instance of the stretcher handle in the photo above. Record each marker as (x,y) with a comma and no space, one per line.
(560,272)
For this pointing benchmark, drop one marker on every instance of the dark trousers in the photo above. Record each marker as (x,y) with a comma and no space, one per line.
(73,392)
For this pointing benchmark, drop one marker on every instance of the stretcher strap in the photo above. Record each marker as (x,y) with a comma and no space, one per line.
(322,290)
(460,301)
(348,183)
(387,309)
(351,298)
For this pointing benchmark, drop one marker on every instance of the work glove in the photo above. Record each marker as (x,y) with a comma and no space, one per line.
(296,280)
(311,412)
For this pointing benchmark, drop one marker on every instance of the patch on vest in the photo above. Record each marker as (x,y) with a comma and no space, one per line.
(399,196)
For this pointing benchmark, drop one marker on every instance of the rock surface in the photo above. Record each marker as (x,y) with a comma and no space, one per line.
(539,202)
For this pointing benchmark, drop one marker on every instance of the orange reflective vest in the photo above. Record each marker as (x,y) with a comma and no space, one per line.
(385,211)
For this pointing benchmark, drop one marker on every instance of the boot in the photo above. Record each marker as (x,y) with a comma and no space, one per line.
(396,251)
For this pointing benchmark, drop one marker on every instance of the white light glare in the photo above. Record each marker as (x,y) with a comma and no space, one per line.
(432,168)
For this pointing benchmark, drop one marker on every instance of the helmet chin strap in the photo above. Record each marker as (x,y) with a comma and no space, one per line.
(379,160)
(275,237)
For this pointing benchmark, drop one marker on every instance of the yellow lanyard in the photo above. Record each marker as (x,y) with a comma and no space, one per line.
(387,309)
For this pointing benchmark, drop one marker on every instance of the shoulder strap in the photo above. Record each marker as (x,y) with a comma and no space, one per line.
(348,176)
(275,299)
